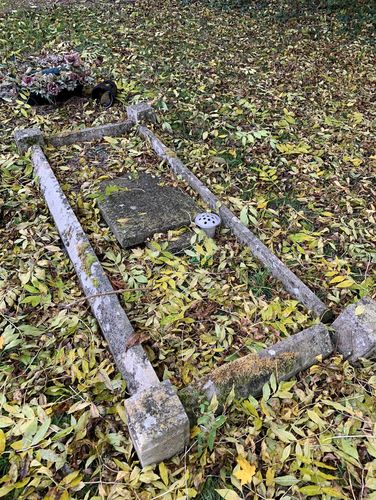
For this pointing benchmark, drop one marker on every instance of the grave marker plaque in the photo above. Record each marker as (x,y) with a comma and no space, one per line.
(136,207)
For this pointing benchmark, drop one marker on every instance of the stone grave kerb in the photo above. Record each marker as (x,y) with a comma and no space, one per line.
(157,421)
(292,354)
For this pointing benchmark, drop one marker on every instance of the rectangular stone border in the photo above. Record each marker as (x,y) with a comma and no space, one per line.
(160,430)
(142,112)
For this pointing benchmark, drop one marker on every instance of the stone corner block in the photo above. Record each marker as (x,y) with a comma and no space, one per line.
(28,137)
(355,330)
(141,112)
(157,422)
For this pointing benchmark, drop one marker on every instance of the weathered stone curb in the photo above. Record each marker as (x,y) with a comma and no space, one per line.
(355,330)
(248,374)
(132,363)
(25,138)
(137,113)
(276,267)
(170,435)
(90,134)
(141,113)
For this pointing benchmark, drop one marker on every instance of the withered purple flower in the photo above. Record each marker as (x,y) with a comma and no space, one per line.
(27,80)
(53,88)
(50,75)
(73,58)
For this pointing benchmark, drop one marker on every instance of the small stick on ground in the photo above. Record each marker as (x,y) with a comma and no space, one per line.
(94,296)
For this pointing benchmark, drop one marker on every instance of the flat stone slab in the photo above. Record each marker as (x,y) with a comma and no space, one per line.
(355,330)
(157,422)
(137,207)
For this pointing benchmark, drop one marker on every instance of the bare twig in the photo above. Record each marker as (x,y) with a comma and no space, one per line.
(94,296)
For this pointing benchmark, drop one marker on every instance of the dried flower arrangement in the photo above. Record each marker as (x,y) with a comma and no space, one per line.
(53,75)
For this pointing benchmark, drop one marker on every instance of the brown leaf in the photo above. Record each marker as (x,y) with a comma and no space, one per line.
(136,338)
(202,310)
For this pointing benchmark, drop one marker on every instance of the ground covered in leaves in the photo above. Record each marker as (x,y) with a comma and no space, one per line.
(275,112)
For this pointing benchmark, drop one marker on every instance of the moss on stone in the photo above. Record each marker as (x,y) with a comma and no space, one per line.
(250,366)
(246,375)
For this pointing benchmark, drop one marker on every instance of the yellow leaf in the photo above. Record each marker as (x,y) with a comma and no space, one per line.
(356,161)
(163,472)
(262,204)
(359,310)
(246,471)
(345,284)
(111,140)
(228,494)
(194,431)
(270,477)
(70,477)
(2,441)
(4,490)
(17,445)
(357,117)
(148,477)
(337,279)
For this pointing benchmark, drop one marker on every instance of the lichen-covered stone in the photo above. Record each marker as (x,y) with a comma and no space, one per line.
(132,363)
(90,134)
(135,208)
(355,330)
(248,374)
(141,113)
(158,424)
(28,137)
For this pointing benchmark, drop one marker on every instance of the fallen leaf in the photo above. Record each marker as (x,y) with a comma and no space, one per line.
(246,471)
(135,339)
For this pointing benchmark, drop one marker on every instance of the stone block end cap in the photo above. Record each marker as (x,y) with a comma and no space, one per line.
(157,422)
(27,137)
(355,330)
(141,113)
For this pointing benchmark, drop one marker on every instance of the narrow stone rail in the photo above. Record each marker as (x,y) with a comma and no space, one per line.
(116,328)
(157,422)
(90,134)
(276,267)
(137,113)
(248,374)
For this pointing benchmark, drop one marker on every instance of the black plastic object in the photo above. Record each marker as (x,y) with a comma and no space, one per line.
(105,93)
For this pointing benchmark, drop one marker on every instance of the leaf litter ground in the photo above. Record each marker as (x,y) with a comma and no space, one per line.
(277,119)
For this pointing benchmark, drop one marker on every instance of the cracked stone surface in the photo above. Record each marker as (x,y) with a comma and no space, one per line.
(137,207)
(158,423)
(355,330)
